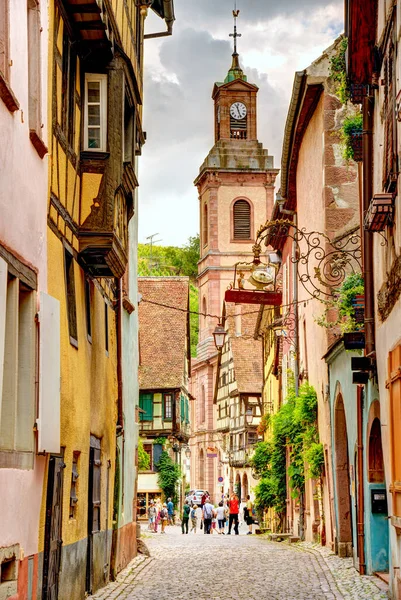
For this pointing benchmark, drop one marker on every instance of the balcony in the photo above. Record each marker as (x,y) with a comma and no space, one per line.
(103,237)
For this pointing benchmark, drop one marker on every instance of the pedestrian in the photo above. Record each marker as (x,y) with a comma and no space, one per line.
(164,517)
(151,516)
(213,527)
(248,511)
(170,510)
(194,518)
(203,500)
(233,506)
(221,517)
(185,517)
(158,509)
(208,512)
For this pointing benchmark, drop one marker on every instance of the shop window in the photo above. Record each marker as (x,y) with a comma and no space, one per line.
(95,115)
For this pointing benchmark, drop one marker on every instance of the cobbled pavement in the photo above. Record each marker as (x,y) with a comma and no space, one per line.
(244,567)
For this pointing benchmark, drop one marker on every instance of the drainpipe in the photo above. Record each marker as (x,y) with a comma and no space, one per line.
(361,486)
(367,149)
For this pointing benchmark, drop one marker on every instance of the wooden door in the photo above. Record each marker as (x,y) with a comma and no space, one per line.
(94,501)
(53,539)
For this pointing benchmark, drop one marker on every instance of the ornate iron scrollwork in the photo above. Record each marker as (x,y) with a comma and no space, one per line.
(322,263)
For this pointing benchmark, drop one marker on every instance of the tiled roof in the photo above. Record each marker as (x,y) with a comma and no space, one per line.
(246,351)
(162,331)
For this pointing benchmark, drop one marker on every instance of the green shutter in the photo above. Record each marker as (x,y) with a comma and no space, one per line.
(146,404)
(182,409)
(187,411)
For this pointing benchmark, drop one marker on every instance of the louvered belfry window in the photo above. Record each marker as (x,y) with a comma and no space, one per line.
(242,220)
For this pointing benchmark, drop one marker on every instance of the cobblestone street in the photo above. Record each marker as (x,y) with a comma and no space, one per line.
(217,567)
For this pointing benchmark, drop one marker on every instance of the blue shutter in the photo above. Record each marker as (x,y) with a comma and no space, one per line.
(146,404)
(187,411)
(157,452)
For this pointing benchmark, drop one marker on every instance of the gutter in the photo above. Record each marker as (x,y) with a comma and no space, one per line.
(290,125)
(169,17)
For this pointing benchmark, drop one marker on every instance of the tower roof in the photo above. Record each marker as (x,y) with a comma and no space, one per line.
(235,71)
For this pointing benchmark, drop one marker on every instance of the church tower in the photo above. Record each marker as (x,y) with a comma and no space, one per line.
(236,195)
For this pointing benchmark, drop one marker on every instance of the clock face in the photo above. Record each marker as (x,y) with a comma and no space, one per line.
(238,111)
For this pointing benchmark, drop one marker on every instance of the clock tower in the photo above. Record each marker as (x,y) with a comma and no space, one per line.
(236,195)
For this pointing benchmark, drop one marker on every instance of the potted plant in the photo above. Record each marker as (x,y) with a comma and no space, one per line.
(351,136)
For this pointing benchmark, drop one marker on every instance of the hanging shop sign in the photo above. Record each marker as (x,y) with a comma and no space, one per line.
(253,297)
(211,452)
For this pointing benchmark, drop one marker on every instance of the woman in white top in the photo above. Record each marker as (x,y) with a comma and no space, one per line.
(221,517)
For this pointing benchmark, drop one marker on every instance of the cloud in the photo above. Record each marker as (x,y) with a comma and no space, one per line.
(278,39)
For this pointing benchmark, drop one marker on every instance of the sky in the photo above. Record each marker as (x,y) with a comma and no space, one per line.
(278,38)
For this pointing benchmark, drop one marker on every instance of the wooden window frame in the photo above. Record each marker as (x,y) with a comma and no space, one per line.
(144,416)
(165,412)
(74,485)
(102,79)
(242,240)
(106,328)
(88,309)
(69,275)
(35,77)
(148,448)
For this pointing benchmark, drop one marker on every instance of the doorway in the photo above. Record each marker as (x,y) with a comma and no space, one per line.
(344,515)
(53,528)
(94,501)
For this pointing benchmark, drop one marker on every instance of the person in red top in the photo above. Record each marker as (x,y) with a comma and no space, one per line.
(233,505)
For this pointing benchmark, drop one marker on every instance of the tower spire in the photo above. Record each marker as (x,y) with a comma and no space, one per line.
(235,72)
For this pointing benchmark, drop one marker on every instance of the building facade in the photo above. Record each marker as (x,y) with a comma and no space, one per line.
(29,317)
(236,193)
(373,74)
(164,371)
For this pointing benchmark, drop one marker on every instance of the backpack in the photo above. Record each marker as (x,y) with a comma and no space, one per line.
(163,513)
(187,510)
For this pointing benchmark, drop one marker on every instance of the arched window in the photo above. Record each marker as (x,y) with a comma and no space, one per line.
(242,220)
(376,464)
(205,225)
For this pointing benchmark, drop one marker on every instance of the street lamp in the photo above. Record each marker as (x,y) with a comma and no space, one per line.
(219,335)
(249,416)
(188,452)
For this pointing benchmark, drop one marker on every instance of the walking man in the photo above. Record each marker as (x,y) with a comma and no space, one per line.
(185,517)
(208,513)
(233,505)
(170,510)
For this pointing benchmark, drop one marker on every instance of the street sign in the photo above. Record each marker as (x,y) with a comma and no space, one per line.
(253,297)
(220,479)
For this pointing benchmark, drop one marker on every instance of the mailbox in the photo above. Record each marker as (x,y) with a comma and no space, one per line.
(379,501)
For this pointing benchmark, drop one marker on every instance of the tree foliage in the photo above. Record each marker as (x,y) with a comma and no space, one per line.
(167,261)
(143,457)
(169,474)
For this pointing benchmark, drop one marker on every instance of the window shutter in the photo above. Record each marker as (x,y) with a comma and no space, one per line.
(146,404)
(187,411)
(182,409)
(157,452)
(242,220)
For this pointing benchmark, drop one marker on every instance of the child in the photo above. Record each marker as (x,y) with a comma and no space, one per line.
(213,527)
(164,517)
(194,518)
(221,517)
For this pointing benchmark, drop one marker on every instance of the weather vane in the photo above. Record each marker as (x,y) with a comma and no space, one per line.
(235,35)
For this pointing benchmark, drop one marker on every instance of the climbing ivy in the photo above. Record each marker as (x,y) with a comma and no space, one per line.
(293,429)
(169,474)
(338,72)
